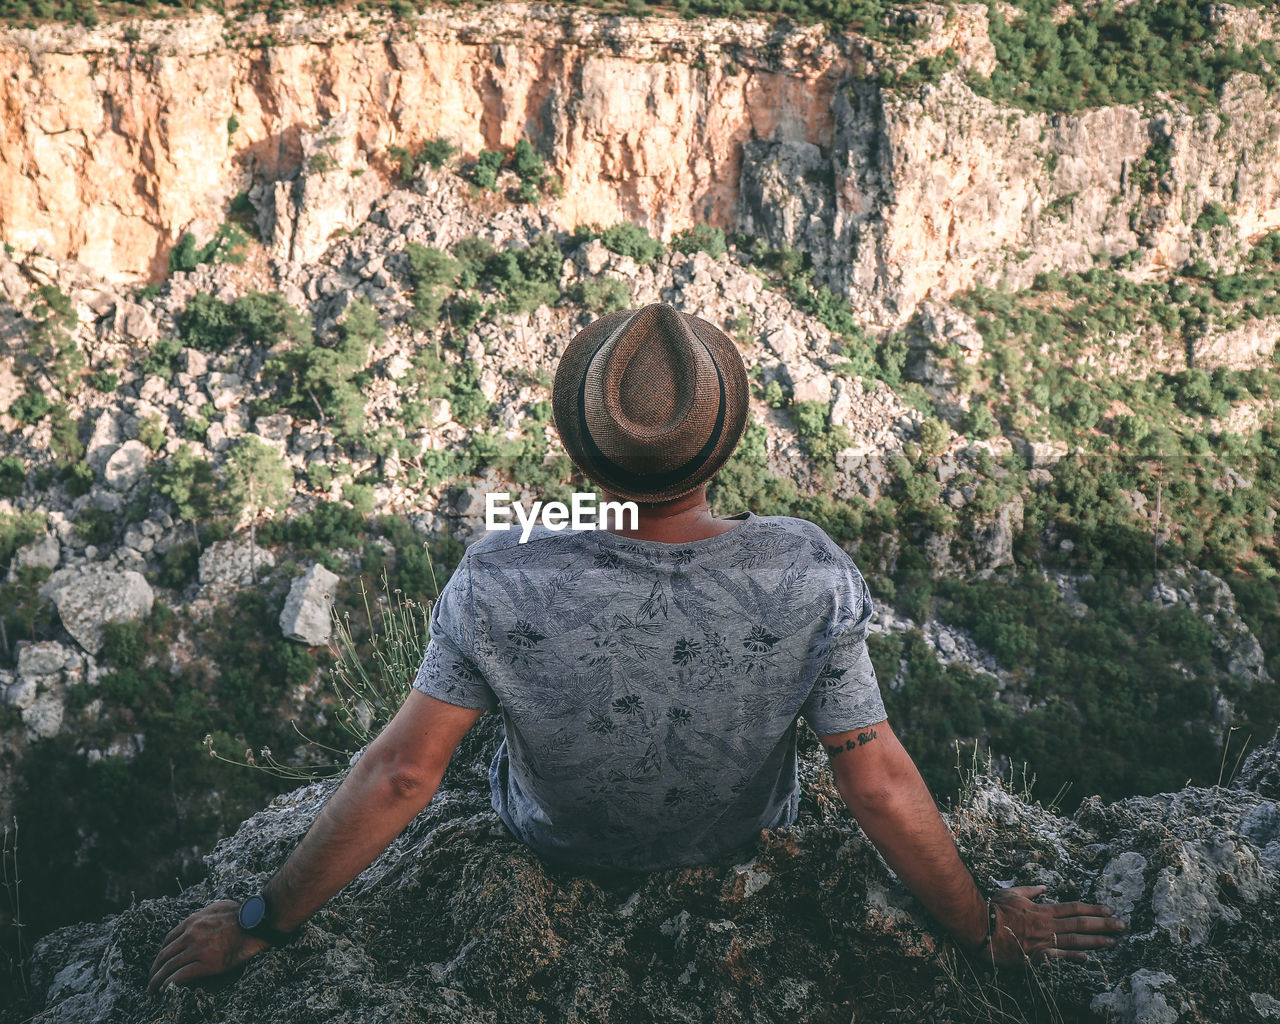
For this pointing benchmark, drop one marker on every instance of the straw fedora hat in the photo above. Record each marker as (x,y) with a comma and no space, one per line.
(650,402)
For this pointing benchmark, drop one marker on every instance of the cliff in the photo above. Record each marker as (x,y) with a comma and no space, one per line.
(118,139)
(457,922)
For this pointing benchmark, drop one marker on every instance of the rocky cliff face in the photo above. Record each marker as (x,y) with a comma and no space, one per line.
(118,139)
(458,922)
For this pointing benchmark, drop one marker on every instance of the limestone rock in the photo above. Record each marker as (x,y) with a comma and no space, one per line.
(786,931)
(89,600)
(309,607)
(227,564)
(41,659)
(126,466)
(331,190)
(43,552)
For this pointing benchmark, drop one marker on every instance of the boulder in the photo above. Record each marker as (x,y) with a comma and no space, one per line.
(126,465)
(42,659)
(788,931)
(44,552)
(232,563)
(309,607)
(89,600)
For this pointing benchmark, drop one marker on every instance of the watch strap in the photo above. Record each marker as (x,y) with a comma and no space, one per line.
(262,930)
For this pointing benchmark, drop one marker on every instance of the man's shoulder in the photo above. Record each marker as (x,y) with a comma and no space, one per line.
(803,530)
(505,543)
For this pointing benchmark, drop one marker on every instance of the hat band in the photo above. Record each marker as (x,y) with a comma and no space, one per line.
(629,479)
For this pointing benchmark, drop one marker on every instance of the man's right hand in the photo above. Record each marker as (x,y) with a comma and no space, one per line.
(1061,931)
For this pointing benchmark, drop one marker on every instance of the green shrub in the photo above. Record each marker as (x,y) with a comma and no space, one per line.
(64,435)
(18,529)
(256,318)
(360,497)
(13,474)
(701,237)
(151,432)
(78,479)
(602,295)
(53,342)
(934,437)
(435,152)
(329,380)
(527,278)
(195,489)
(1212,216)
(485,171)
(180,565)
(433,273)
(438,151)
(30,407)
(979,423)
(104,381)
(226,246)
(628,239)
(124,643)
(95,526)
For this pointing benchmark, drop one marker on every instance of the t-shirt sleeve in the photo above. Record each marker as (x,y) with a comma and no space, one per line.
(846,695)
(449,671)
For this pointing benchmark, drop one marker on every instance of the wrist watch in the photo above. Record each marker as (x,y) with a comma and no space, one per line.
(252,918)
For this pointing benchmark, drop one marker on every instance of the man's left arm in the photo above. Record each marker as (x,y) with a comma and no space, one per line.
(394,780)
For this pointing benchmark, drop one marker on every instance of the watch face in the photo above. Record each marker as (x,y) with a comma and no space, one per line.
(252,911)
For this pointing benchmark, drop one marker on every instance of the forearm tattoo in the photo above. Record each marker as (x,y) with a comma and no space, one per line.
(861,740)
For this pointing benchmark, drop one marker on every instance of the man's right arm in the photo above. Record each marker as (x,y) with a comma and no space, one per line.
(882,787)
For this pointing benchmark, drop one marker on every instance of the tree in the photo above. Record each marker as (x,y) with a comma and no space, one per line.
(262,478)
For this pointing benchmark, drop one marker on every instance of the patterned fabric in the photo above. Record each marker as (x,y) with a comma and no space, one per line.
(650,691)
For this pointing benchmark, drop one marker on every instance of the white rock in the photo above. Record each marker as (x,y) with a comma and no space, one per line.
(90,600)
(42,659)
(43,552)
(126,466)
(230,563)
(309,607)
(21,694)
(43,718)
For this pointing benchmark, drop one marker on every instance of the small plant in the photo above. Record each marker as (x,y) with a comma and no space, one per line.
(371,689)
(13,474)
(78,479)
(255,318)
(602,295)
(95,526)
(260,480)
(934,435)
(360,496)
(16,967)
(151,432)
(226,246)
(104,381)
(701,238)
(53,343)
(628,239)
(485,171)
(321,163)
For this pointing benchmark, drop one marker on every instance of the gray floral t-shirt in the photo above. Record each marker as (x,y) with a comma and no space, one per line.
(650,691)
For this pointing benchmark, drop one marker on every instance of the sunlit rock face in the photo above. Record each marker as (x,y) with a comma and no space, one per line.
(117,140)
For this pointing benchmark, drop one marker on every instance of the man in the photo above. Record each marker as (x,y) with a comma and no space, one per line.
(650,680)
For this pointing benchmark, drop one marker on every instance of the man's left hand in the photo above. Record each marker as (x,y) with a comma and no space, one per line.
(210,941)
